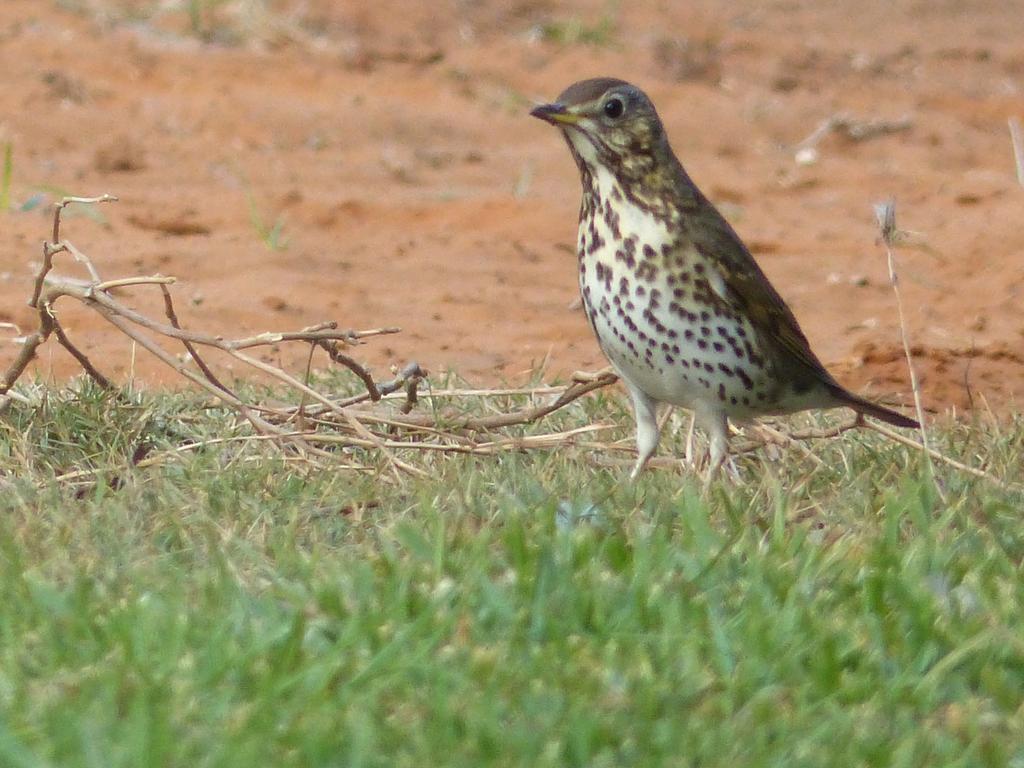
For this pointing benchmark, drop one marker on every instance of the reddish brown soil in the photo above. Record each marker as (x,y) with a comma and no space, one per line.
(414,190)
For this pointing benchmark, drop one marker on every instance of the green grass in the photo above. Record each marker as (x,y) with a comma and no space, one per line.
(235,608)
(217,22)
(574,31)
(272,236)
(198,13)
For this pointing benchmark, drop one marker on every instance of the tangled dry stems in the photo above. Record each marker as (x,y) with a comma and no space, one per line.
(318,424)
(318,427)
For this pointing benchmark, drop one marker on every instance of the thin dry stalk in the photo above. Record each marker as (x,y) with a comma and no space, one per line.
(934,454)
(885,213)
(1017,140)
(189,346)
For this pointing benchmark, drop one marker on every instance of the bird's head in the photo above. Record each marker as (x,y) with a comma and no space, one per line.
(608,122)
(612,126)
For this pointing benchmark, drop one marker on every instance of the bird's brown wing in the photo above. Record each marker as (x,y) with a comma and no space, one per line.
(748,287)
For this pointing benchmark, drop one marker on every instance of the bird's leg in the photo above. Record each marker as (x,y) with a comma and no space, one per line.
(717,426)
(647,430)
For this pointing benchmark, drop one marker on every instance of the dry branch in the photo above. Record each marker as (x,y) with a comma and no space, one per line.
(451,420)
(853,129)
(1017,142)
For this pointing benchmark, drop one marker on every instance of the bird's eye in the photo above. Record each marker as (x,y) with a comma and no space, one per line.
(613,108)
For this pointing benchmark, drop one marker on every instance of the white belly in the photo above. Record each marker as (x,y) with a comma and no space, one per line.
(641,304)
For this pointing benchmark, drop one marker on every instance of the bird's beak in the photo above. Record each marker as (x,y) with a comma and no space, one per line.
(556,114)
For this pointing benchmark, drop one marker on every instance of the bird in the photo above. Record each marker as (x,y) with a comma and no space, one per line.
(678,304)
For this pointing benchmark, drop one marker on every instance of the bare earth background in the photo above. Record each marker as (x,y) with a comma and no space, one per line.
(390,143)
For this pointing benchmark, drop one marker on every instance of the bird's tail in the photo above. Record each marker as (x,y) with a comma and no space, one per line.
(874,410)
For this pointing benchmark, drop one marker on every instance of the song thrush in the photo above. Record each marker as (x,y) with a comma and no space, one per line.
(679,306)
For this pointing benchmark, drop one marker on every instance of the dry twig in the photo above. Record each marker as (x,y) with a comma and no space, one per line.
(1017,141)
(853,129)
(933,454)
